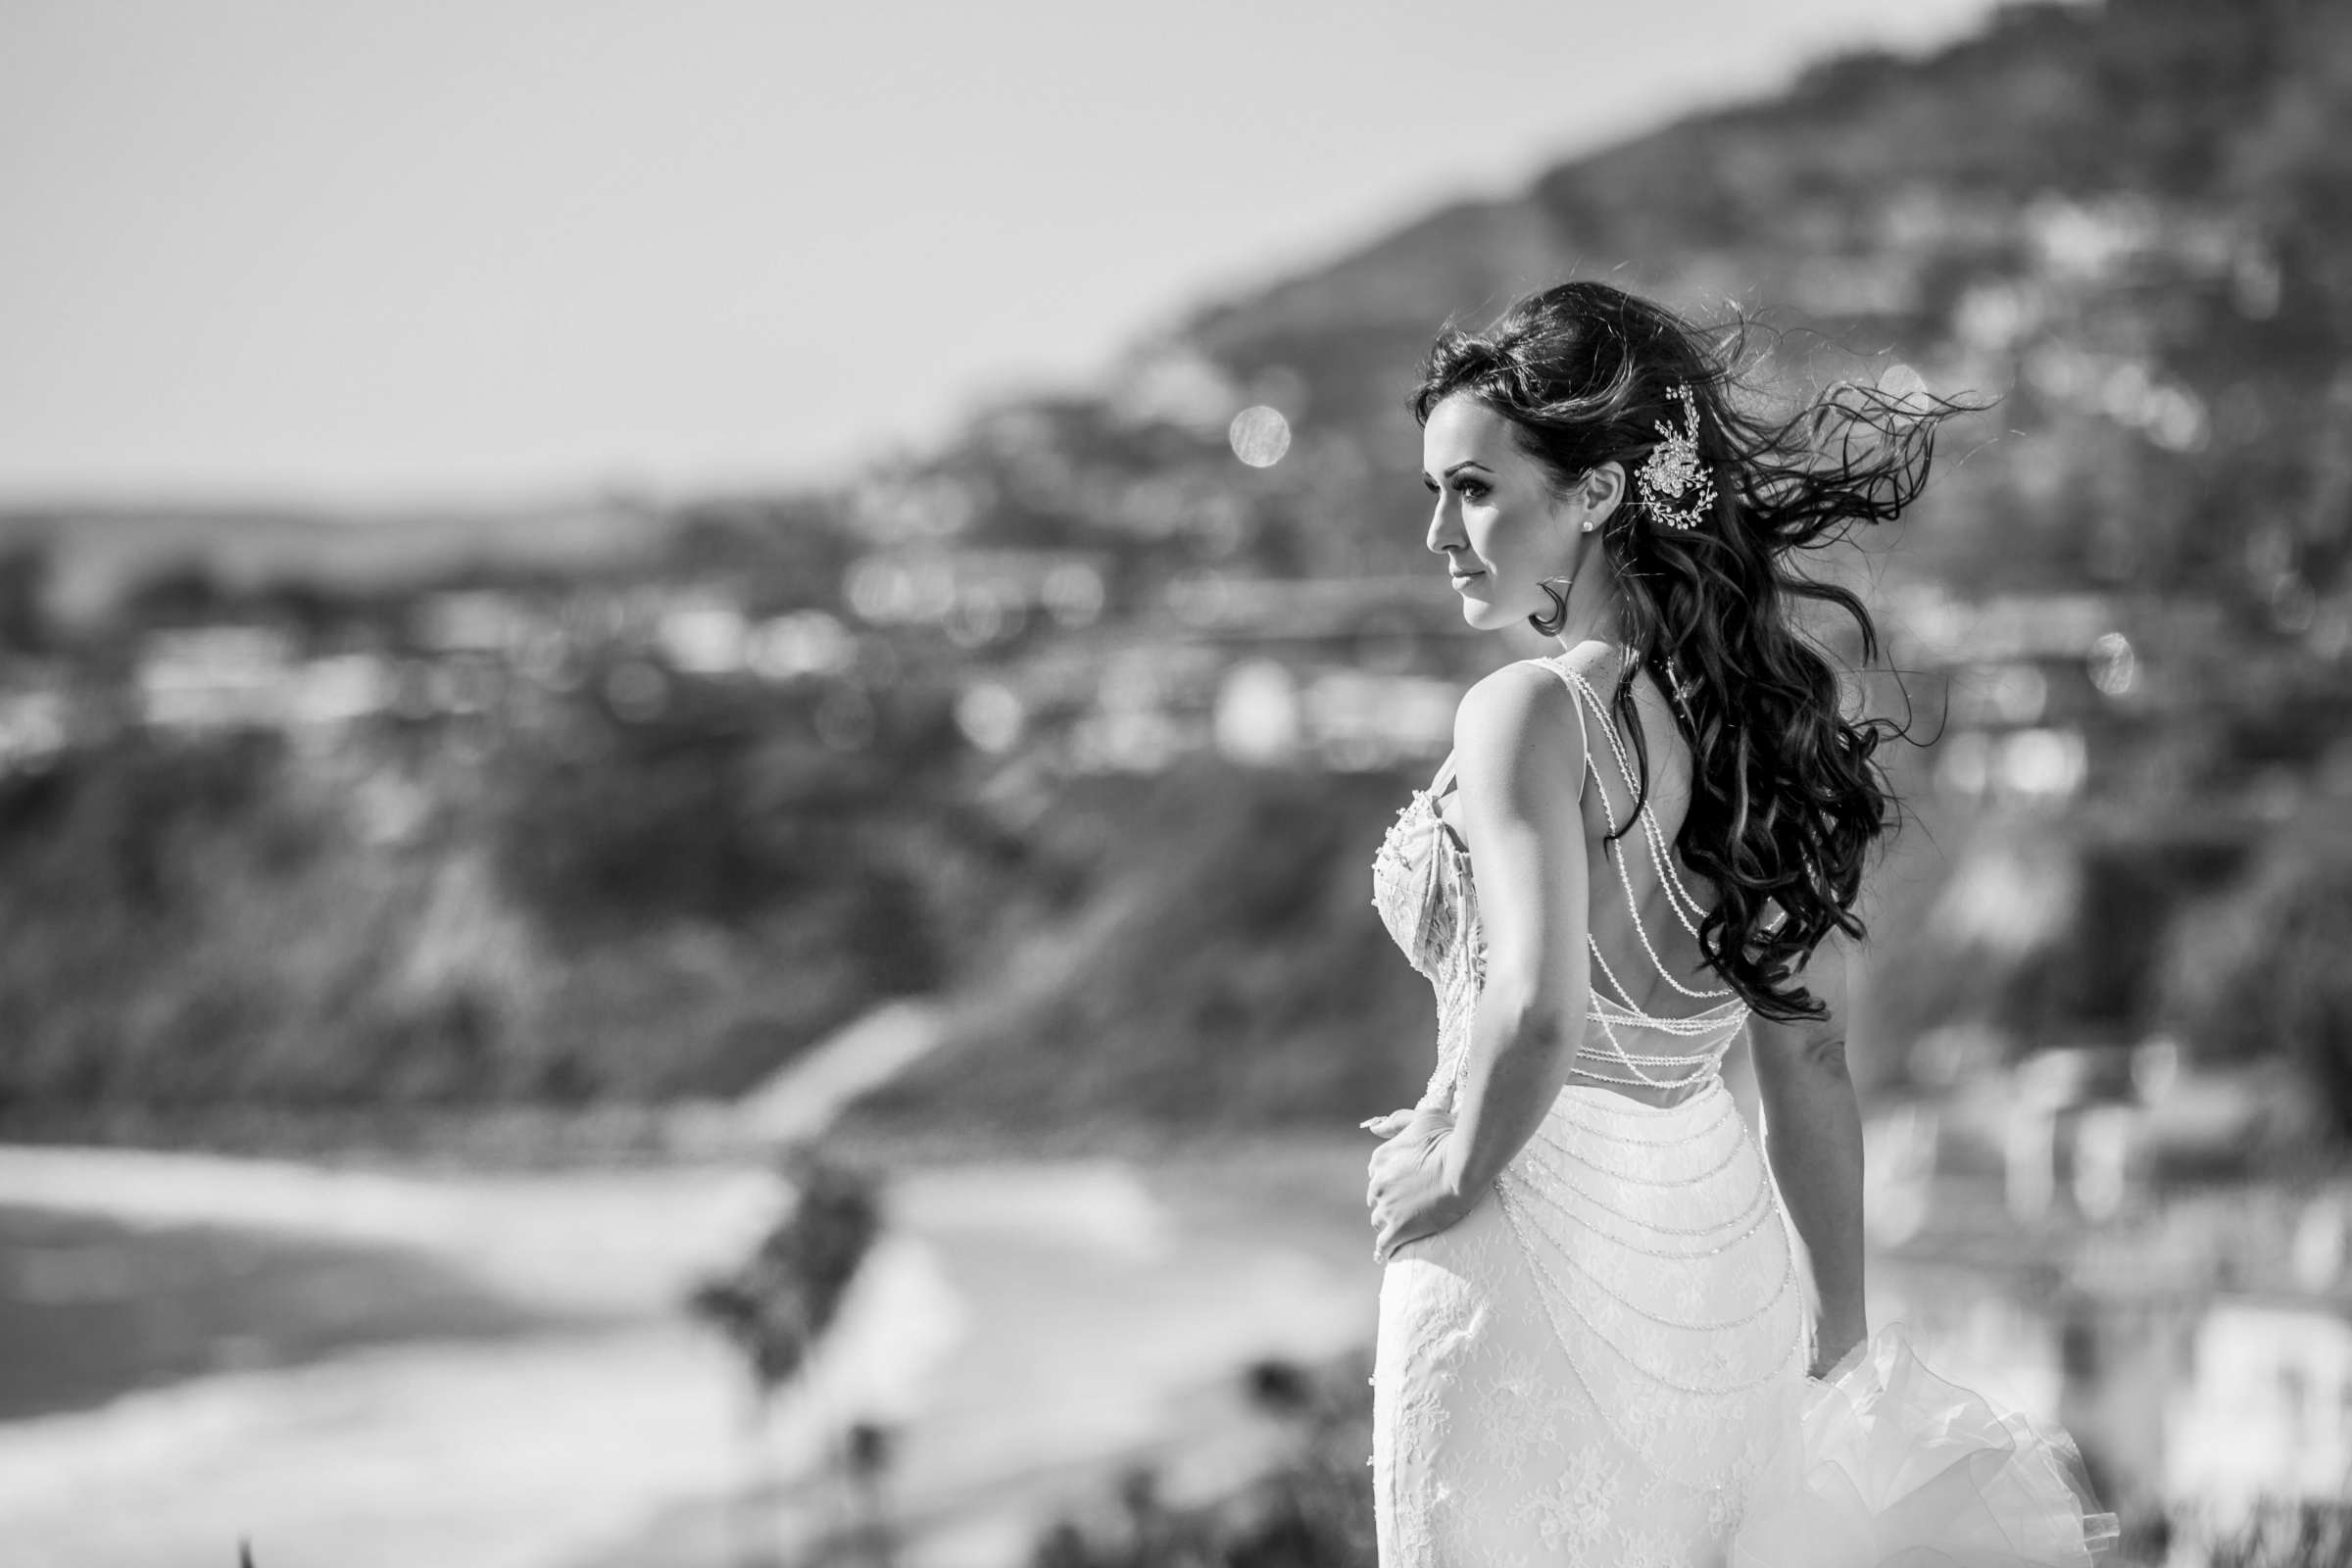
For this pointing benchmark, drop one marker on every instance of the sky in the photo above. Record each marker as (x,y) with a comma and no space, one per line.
(334,252)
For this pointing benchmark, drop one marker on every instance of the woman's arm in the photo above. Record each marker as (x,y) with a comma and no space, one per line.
(1813,1137)
(1519,760)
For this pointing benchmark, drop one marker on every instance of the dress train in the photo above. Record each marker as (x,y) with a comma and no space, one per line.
(1883,1464)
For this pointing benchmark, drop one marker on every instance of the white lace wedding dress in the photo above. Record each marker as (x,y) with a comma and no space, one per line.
(1599,1362)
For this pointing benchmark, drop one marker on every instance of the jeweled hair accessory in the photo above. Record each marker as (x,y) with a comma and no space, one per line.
(1674,470)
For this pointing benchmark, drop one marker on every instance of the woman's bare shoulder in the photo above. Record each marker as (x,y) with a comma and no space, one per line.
(1824,974)
(1520,713)
(1529,694)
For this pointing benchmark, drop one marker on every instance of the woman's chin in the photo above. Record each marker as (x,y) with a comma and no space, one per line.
(1486,616)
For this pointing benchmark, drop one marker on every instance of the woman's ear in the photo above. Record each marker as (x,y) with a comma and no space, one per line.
(1599,492)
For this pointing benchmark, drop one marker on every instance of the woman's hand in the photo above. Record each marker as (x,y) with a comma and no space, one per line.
(1407,1191)
(1832,1341)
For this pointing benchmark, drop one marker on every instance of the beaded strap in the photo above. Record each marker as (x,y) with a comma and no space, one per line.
(1553,1146)
(1610,1122)
(1670,881)
(1788,1274)
(1678,897)
(1728,1111)
(1714,1028)
(1756,1206)
(1555,1294)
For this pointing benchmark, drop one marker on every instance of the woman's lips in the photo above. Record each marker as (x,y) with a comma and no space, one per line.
(1458,578)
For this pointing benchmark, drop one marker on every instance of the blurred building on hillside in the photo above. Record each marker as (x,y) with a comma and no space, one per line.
(2096,1235)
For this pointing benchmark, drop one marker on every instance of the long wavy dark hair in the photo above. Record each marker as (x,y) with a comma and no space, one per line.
(1786,790)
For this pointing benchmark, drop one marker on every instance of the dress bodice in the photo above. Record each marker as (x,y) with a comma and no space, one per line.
(1423,889)
(1421,884)
(1421,881)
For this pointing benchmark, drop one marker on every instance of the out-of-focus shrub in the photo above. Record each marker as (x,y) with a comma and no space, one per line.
(776,1307)
(2264,972)
(2282,1532)
(1313,1509)
(1219,964)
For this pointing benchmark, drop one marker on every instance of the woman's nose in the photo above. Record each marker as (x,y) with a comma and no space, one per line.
(1445,528)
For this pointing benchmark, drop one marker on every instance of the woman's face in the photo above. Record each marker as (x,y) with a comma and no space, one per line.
(1496,521)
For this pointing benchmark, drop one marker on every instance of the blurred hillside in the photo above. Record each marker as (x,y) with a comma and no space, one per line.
(1088,729)
(2127,218)
(97,553)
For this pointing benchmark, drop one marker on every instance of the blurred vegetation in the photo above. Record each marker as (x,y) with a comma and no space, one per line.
(776,1307)
(1216,965)
(2284,1533)
(588,910)
(2264,970)
(596,908)
(1313,1509)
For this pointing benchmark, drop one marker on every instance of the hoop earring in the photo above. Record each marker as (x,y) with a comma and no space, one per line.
(1550,625)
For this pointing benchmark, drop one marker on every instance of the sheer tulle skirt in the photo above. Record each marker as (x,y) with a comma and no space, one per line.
(1886,1465)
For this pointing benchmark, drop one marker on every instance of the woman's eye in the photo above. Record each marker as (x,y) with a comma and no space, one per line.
(1469,489)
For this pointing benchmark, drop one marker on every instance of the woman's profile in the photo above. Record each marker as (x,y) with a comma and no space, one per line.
(1594,1340)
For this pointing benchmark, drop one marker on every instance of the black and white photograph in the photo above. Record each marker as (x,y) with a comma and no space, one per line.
(1518,784)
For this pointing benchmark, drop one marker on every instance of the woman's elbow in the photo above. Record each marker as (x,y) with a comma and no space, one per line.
(1804,1063)
(1525,1011)
(1824,1057)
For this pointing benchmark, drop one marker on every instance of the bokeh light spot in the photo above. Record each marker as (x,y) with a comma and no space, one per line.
(1906,387)
(2114,665)
(1260,435)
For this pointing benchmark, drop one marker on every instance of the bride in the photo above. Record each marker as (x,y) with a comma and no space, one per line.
(1594,1344)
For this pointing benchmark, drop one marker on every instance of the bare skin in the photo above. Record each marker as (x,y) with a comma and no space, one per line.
(1813,1138)
(1533,843)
